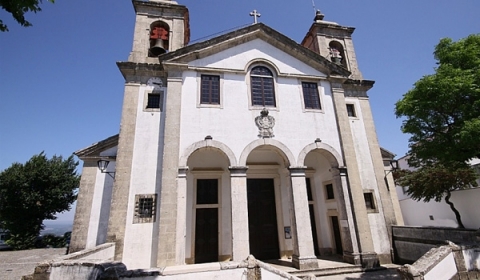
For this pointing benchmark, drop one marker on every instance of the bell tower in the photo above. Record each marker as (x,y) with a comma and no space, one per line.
(160,26)
(333,42)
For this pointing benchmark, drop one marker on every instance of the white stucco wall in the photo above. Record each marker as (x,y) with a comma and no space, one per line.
(445,269)
(417,213)
(294,127)
(141,238)
(369,181)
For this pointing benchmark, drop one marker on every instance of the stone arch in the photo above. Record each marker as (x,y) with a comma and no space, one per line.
(261,61)
(269,142)
(326,150)
(208,143)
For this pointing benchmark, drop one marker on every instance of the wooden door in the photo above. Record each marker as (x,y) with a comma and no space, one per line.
(206,221)
(262,219)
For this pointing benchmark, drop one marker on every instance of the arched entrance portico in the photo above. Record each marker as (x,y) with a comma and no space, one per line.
(204,203)
(329,201)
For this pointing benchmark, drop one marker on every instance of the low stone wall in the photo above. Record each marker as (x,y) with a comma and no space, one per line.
(87,269)
(411,243)
(444,262)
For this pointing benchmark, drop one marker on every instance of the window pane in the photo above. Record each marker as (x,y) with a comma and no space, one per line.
(351,110)
(210,89)
(330,193)
(262,87)
(207,191)
(310,96)
(153,100)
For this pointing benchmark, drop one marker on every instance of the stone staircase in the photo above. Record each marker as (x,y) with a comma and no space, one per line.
(327,271)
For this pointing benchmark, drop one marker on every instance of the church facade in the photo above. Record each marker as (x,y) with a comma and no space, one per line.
(246,143)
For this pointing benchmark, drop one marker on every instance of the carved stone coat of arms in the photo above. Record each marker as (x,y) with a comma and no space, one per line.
(265,124)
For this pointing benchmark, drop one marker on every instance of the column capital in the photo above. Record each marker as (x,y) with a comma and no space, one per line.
(238,171)
(182,171)
(340,170)
(297,171)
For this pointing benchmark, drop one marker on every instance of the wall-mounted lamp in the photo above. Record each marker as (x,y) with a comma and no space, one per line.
(102,165)
(394,166)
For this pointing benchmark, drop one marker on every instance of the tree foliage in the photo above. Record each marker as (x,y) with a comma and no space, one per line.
(442,114)
(442,111)
(18,8)
(435,181)
(33,192)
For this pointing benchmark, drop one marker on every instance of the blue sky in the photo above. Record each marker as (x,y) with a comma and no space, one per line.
(60,89)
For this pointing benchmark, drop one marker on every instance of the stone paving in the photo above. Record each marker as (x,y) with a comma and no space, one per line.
(15,264)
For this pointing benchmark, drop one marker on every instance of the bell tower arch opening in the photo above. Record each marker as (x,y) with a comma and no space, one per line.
(159,38)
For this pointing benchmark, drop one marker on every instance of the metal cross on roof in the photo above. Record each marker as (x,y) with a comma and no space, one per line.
(255,14)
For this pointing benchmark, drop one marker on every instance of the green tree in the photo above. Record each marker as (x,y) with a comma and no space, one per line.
(436,181)
(442,115)
(442,111)
(18,8)
(33,192)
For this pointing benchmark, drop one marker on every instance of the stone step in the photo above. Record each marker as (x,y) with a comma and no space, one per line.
(327,271)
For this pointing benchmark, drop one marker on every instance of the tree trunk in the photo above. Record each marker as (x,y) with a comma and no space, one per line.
(457,214)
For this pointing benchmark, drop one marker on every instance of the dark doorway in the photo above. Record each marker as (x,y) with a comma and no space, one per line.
(206,221)
(262,219)
(312,217)
(336,235)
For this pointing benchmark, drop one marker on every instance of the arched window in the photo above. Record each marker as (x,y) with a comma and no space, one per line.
(262,87)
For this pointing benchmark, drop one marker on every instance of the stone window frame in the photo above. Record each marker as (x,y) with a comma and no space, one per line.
(319,92)
(370,195)
(199,90)
(154,90)
(354,110)
(248,79)
(137,218)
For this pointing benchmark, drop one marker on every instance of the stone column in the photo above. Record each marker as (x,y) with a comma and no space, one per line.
(123,170)
(168,194)
(84,206)
(181,215)
(346,216)
(368,256)
(303,252)
(240,232)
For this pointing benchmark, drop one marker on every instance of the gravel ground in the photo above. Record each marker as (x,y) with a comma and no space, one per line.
(15,264)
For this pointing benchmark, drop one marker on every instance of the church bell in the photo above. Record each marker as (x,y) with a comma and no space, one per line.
(158,48)
(158,41)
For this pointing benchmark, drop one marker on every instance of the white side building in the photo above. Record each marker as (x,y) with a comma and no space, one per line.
(439,214)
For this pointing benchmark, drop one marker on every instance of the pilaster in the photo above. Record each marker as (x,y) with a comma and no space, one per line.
(364,233)
(181,215)
(121,186)
(240,230)
(303,251)
(346,216)
(377,160)
(168,194)
(84,206)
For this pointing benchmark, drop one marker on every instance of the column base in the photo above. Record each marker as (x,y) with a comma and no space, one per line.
(304,262)
(369,260)
(353,258)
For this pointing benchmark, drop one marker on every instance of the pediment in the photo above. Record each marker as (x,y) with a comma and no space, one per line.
(104,148)
(240,40)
